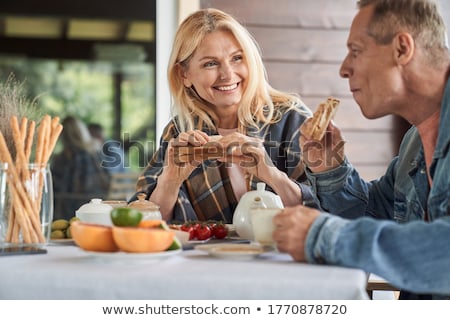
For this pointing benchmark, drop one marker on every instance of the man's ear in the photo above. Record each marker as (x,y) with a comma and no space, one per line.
(404,48)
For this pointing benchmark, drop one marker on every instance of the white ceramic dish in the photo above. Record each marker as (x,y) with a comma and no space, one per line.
(61,242)
(183,236)
(131,256)
(95,212)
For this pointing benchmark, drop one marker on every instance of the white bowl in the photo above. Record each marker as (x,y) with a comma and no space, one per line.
(95,212)
(94,217)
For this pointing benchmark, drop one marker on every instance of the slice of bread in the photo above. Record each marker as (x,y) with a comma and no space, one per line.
(315,127)
(209,151)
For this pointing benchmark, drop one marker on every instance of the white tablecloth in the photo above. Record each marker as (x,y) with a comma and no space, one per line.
(66,272)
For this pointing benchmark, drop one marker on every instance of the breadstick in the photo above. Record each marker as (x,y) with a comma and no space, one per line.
(25,211)
(21,217)
(19,193)
(56,131)
(55,123)
(29,140)
(24,174)
(23,128)
(20,152)
(15,231)
(52,131)
(43,132)
(42,143)
(12,223)
(35,198)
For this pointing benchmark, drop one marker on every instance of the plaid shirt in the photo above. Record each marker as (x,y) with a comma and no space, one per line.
(207,194)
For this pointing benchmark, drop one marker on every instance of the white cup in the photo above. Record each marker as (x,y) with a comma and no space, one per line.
(262,224)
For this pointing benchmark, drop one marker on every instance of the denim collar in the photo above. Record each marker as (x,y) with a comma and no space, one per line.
(444,124)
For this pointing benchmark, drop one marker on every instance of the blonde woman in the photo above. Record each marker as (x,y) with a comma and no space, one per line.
(219,87)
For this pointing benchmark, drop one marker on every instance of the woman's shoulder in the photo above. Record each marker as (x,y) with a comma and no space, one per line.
(170,130)
(296,111)
(298,106)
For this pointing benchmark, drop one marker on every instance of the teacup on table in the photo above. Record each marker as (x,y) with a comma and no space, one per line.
(262,224)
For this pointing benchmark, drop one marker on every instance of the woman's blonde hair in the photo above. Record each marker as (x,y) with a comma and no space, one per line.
(259,98)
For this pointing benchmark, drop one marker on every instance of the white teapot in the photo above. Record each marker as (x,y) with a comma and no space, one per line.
(241,216)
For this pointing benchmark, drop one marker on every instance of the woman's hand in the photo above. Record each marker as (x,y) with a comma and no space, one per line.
(175,170)
(249,154)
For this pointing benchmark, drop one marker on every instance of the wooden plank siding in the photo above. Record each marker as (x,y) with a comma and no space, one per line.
(303,43)
(321,14)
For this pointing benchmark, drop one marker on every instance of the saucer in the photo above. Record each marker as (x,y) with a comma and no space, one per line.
(237,251)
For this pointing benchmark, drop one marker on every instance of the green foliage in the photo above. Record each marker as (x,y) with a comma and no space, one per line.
(86,91)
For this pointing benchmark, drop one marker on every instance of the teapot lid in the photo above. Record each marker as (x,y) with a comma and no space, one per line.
(142,204)
(260,186)
(95,206)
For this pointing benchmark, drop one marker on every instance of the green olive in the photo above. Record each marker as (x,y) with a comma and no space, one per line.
(68,233)
(57,234)
(60,224)
(73,219)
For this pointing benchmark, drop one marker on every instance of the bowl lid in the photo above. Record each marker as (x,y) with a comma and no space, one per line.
(142,204)
(95,206)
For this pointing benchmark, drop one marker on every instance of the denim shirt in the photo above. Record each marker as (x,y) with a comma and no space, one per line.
(411,253)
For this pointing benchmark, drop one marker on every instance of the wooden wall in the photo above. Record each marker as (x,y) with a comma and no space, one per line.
(303,43)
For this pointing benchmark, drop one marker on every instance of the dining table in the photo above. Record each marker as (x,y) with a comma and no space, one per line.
(67,272)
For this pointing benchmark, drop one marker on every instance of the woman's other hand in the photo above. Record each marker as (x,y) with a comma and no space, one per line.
(248,153)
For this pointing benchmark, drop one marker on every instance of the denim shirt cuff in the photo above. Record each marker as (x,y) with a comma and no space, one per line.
(322,237)
(330,179)
(307,196)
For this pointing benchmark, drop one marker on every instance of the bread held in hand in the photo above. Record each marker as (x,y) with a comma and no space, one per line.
(315,127)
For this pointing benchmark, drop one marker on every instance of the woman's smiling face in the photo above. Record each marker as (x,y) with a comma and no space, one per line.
(218,70)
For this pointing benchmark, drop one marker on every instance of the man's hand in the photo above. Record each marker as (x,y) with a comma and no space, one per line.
(291,228)
(326,154)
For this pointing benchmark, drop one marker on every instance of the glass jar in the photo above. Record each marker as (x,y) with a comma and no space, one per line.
(149,209)
(26,204)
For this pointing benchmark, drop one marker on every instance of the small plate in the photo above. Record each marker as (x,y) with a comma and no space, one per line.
(131,256)
(61,242)
(232,251)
